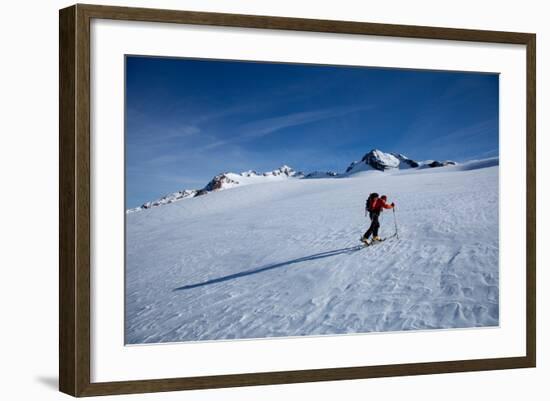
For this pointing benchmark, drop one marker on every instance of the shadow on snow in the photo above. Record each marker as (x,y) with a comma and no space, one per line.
(273,266)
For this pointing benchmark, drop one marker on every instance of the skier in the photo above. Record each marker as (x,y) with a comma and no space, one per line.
(374,207)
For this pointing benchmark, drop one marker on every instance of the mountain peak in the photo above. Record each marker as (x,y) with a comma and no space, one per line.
(283,170)
(374,160)
(382,161)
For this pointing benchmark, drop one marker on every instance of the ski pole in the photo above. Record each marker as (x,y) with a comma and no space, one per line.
(395,222)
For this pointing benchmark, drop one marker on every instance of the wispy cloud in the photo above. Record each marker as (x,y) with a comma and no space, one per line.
(490,153)
(222,112)
(172,177)
(159,135)
(448,142)
(467,133)
(268,126)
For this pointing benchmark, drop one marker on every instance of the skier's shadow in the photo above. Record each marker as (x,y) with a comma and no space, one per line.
(272,266)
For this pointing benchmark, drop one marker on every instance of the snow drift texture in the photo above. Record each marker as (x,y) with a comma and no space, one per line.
(278,255)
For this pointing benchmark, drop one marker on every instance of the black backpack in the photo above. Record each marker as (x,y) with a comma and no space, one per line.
(368,204)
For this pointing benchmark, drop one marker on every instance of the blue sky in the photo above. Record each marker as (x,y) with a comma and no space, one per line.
(188,120)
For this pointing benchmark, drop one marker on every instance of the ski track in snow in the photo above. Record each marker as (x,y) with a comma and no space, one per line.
(282,259)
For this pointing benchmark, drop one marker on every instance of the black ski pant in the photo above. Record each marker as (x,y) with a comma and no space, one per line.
(374,225)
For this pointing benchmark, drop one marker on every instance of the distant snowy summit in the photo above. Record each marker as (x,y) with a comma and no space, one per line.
(373,160)
(224,181)
(378,160)
(229,180)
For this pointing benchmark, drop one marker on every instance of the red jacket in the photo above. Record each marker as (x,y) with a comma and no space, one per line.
(378,204)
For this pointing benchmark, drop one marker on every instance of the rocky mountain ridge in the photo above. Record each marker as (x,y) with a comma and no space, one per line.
(372,160)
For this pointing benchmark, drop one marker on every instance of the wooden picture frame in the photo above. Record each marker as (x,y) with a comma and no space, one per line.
(74,201)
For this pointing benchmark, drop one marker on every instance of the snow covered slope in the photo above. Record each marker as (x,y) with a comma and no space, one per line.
(281,258)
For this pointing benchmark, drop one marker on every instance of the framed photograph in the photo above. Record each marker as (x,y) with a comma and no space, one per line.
(250,200)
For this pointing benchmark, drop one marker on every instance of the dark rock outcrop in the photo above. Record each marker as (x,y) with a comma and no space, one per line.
(218,182)
(436,163)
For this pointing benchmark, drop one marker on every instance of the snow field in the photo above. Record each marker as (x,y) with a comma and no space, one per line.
(283,259)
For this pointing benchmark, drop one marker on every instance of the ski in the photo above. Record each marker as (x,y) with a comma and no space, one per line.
(377,241)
